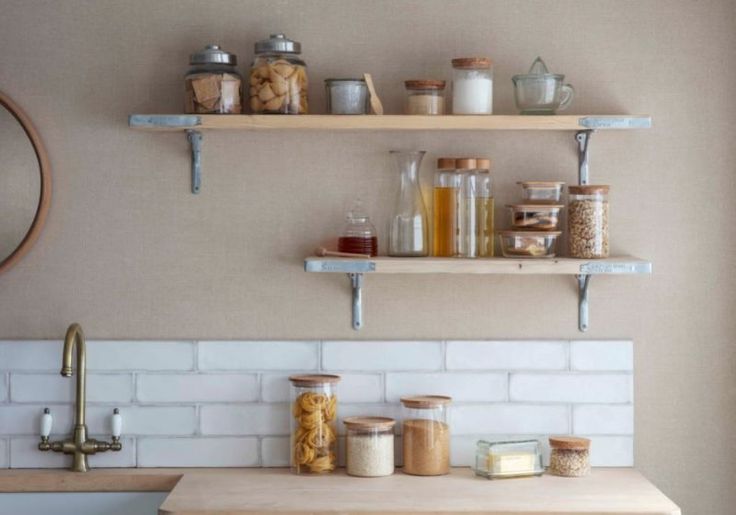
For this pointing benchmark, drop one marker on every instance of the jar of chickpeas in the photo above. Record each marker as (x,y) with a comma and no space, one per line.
(278,77)
(313,423)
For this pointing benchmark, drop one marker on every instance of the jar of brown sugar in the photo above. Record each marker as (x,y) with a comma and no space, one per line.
(425,97)
(426,434)
(570,456)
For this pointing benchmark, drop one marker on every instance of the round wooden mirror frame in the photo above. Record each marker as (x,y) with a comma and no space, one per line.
(45,195)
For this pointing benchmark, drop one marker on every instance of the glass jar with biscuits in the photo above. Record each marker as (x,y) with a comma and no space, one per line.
(313,423)
(212,84)
(278,77)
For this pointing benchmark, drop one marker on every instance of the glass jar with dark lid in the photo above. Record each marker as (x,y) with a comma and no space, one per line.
(278,77)
(213,84)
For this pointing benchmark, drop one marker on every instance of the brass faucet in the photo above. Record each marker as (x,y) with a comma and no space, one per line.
(79,445)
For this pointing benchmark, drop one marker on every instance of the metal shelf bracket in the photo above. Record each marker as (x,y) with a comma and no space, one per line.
(195,140)
(583,307)
(583,140)
(356,280)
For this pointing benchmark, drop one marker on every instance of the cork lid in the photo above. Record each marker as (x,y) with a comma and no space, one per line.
(465,163)
(588,189)
(569,442)
(314,379)
(426,401)
(369,422)
(541,184)
(481,163)
(471,63)
(446,163)
(424,84)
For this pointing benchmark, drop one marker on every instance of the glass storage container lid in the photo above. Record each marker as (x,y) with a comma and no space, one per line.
(426,401)
(308,380)
(213,54)
(278,44)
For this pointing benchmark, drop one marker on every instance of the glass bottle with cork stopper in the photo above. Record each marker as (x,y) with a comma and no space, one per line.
(466,242)
(444,208)
(484,207)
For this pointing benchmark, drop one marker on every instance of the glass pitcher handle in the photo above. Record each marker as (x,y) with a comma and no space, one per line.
(567,93)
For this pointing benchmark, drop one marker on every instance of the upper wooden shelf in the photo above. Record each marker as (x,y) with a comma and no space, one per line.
(498,265)
(179,122)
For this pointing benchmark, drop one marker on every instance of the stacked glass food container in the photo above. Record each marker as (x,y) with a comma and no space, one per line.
(535,222)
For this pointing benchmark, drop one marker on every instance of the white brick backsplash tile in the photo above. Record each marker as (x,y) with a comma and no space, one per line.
(4,379)
(197,388)
(274,355)
(603,420)
(198,452)
(602,355)
(509,418)
(275,451)
(352,387)
(251,419)
(25,419)
(4,454)
(55,388)
(145,420)
(507,355)
(612,451)
(593,388)
(488,387)
(382,355)
(30,355)
(140,355)
(24,453)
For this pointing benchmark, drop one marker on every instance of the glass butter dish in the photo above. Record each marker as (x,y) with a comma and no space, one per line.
(500,460)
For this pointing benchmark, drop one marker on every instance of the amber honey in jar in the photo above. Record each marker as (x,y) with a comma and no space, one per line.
(359,234)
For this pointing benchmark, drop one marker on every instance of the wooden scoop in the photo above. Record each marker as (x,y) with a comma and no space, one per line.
(376,105)
(321,251)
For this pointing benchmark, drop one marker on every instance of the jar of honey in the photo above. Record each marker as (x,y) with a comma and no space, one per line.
(359,234)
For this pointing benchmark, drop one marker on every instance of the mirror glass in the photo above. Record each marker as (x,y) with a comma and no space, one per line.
(20,183)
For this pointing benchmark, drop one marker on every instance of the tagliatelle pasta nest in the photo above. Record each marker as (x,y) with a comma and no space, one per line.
(313,441)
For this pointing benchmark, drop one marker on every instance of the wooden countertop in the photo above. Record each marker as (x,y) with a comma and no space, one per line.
(248,491)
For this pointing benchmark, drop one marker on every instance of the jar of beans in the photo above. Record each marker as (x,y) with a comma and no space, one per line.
(570,456)
(587,220)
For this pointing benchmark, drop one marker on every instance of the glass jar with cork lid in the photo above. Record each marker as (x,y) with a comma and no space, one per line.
(587,221)
(426,434)
(569,456)
(369,446)
(472,85)
(425,97)
(313,423)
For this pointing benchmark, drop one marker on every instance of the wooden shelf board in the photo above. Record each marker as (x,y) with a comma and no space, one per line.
(179,122)
(430,265)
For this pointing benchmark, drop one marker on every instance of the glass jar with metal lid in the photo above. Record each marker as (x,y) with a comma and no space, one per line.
(212,84)
(425,96)
(278,77)
(587,221)
(426,434)
(369,446)
(313,423)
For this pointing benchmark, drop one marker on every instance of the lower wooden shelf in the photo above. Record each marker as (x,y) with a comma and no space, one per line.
(581,269)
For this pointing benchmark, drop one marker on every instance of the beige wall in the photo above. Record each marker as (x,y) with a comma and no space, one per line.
(130,253)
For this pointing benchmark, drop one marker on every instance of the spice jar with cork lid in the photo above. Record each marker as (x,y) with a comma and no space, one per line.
(369,446)
(472,85)
(425,97)
(570,456)
(587,221)
(278,77)
(313,423)
(212,84)
(426,434)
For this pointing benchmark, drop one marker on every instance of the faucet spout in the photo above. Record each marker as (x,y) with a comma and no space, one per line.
(75,337)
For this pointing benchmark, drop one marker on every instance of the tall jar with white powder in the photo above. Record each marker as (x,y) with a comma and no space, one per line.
(369,445)
(472,85)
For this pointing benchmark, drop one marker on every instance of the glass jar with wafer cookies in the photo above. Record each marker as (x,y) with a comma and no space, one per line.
(313,423)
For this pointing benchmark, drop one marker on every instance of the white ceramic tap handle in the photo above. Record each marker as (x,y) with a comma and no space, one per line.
(117,423)
(47,422)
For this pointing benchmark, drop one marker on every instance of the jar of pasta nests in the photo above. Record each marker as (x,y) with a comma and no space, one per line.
(313,423)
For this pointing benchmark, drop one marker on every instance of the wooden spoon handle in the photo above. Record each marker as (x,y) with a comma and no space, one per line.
(321,251)
(376,105)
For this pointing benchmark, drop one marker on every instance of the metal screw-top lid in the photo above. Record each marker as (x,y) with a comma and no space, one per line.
(278,43)
(213,54)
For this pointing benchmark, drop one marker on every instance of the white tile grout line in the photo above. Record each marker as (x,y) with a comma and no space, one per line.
(195,355)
